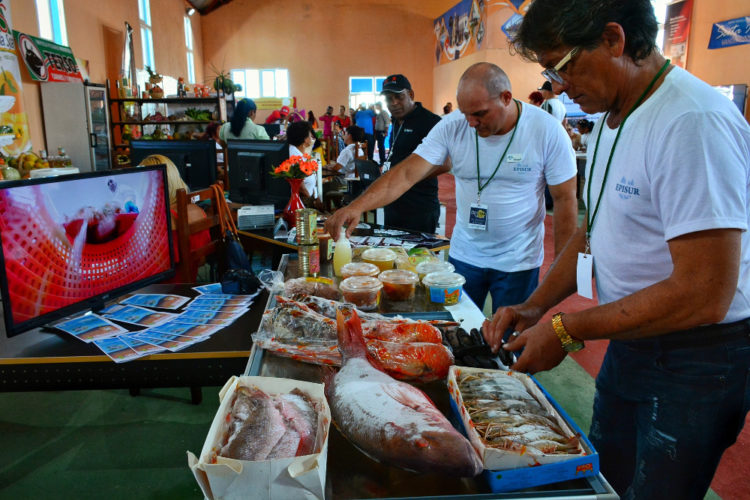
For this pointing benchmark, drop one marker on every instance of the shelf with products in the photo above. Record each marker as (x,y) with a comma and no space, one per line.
(164,118)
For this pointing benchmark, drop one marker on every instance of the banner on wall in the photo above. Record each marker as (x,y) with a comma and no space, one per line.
(47,61)
(14,125)
(677,31)
(729,33)
(460,31)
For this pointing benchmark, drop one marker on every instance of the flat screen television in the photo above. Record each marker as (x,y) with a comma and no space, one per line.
(249,164)
(196,160)
(72,243)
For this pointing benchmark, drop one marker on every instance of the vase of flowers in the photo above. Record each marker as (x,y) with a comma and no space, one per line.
(294,170)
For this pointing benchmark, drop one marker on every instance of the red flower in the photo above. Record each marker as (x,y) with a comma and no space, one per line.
(296,167)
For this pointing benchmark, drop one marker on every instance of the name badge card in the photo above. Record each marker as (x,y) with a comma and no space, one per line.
(514,158)
(386,166)
(584,274)
(478,217)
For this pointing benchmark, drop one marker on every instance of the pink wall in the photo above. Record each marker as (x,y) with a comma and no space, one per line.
(322,44)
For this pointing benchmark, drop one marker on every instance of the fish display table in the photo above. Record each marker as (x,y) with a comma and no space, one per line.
(351,474)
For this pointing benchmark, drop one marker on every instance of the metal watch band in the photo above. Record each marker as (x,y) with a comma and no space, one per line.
(569,344)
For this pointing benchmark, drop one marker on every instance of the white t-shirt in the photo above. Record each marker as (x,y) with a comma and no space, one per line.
(556,108)
(346,160)
(540,154)
(311,181)
(681,165)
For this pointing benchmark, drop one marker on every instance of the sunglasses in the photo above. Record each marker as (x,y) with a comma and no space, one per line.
(552,74)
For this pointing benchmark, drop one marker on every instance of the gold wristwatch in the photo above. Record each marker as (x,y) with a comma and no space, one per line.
(569,344)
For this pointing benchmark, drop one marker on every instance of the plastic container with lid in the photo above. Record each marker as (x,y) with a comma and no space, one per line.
(359,269)
(444,287)
(399,284)
(362,291)
(434,266)
(381,257)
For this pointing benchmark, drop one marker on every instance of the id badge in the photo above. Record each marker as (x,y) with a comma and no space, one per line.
(584,274)
(478,217)
(386,166)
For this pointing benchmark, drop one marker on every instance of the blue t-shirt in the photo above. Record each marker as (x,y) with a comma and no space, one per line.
(364,119)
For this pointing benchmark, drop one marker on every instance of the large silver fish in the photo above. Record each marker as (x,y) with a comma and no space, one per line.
(391,421)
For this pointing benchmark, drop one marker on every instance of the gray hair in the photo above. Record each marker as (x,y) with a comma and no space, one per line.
(550,24)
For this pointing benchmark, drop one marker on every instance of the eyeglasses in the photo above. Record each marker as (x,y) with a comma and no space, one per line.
(552,74)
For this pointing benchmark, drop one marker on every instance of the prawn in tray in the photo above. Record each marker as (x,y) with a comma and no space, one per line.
(510,420)
(406,349)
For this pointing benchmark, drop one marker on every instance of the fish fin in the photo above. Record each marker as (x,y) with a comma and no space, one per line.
(349,328)
(397,392)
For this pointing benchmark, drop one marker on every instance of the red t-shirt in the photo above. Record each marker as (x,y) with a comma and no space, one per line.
(327,124)
(345,122)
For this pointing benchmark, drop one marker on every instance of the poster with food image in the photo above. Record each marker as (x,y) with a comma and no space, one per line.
(14,125)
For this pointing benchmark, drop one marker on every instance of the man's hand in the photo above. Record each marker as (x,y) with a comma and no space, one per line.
(542,349)
(518,318)
(345,216)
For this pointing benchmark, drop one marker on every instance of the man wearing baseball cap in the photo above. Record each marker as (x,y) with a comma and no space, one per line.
(418,209)
(552,104)
(278,115)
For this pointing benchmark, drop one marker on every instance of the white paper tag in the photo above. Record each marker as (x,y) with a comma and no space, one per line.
(386,166)
(478,217)
(584,274)
(514,158)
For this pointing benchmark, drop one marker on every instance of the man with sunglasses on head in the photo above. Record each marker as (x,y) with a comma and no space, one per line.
(502,152)
(665,237)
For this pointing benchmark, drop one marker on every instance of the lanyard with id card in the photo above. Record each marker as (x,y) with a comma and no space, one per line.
(478,212)
(585,267)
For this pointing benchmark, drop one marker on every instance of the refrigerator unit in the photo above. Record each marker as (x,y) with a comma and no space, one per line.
(76,117)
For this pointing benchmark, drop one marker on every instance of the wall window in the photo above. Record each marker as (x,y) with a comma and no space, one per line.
(51,15)
(261,82)
(365,90)
(660,10)
(189,46)
(147,39)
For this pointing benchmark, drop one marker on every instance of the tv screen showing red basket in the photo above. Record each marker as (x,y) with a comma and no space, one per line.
(72,243)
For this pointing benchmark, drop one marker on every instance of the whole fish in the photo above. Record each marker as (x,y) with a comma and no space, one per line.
(255,426)
(295,323)
(418,361)
(392,421)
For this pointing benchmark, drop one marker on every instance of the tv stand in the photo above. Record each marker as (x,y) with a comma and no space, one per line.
(43,360)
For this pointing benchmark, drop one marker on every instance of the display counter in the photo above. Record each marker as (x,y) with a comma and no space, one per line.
(351,474)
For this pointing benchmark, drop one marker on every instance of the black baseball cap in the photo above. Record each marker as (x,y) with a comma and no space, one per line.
(396,84)
(546,86)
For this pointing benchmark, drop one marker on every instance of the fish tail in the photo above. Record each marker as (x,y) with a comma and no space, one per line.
(351,339)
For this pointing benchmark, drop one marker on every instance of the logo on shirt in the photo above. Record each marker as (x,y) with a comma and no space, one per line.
(408,130)
(522,168)
(626,189)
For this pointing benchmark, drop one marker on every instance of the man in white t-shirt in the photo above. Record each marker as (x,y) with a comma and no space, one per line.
(503,153)
(666,240)
(552,104)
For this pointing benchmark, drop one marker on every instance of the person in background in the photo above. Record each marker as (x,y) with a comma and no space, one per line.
(575,137)
(278,115)
(364,119)
(311,119)
(343,119)
(666,233)
(552,104)
(241,125)
(318,152)
(345,161)
(382,122)
(536,98)
(300,137)
(194,212)
(419,208)
(584,128)
(502,151)
(327,118)
(338,137)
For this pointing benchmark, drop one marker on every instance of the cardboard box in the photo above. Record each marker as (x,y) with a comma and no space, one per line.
(511,471)
(296,477)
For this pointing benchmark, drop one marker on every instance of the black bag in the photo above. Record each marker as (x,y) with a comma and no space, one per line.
(240,281)
(239,277)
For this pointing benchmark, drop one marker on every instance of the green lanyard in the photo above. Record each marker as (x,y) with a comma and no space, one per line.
(480,187)
(590,222)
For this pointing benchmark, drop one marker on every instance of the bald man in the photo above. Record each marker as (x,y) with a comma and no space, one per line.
(503,153)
